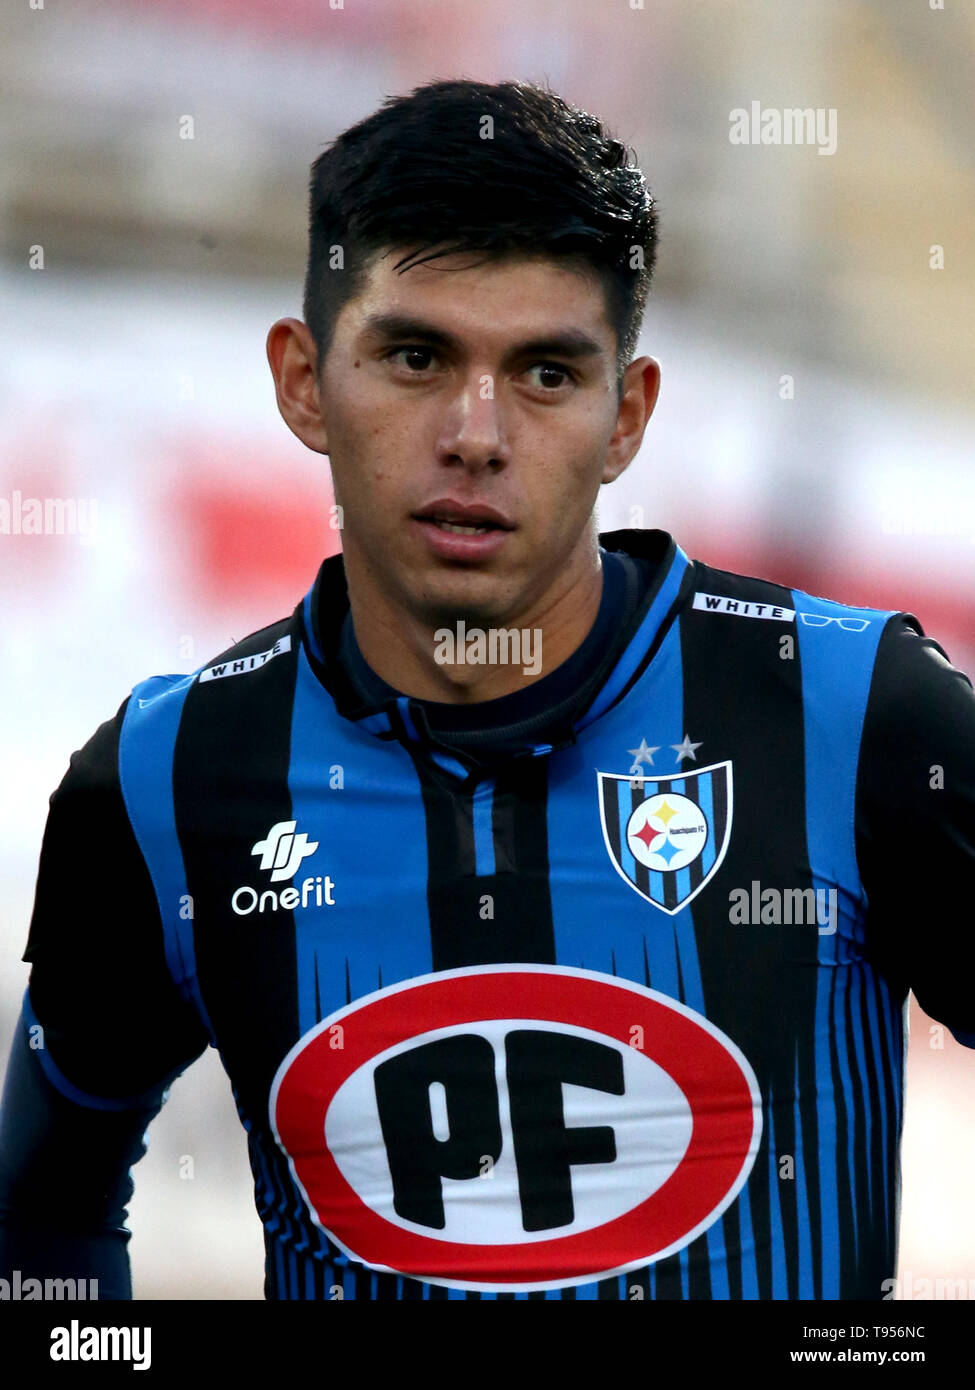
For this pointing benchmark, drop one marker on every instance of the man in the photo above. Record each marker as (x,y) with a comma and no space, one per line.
(553,900)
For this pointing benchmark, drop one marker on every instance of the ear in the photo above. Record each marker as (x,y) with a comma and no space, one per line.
(293,359)
(641,385)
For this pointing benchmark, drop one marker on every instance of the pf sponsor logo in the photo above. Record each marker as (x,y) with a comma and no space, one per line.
(514,1128)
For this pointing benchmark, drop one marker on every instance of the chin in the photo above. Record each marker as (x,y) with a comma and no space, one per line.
(483,603)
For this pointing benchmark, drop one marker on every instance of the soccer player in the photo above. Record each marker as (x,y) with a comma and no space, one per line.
(553,899)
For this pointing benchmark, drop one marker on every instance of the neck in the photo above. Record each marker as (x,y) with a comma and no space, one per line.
(472,659)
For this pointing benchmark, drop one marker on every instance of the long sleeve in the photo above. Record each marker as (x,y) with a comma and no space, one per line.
(916,823)
(64,1178)
(102,1035)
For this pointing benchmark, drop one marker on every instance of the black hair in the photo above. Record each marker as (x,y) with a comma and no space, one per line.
(459,165)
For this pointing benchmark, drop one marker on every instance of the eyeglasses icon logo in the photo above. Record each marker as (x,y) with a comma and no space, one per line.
(824,619)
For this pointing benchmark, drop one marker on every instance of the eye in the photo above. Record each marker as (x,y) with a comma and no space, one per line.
(547,370)
(408,357)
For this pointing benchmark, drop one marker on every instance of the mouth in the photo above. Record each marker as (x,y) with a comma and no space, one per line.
(456,530)
(461,519)
(459,531)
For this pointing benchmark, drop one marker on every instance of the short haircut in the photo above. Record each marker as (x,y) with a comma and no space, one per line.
(430,172)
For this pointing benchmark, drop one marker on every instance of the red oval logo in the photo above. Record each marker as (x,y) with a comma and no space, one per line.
(518,1127)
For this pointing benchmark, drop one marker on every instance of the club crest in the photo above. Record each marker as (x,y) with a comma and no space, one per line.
(667,835)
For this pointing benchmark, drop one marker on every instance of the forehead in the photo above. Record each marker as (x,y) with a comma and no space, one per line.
(477,290)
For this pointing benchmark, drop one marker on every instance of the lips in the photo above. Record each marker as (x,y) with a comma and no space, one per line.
(462,532)
(464,519)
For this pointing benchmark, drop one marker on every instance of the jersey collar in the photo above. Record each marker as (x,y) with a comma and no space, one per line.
(320,615)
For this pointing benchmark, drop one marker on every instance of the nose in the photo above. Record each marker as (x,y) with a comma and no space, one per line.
(472,433)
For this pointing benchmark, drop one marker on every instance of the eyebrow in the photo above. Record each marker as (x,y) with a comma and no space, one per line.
(566,342)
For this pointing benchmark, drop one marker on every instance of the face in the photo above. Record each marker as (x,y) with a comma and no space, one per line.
(470,412)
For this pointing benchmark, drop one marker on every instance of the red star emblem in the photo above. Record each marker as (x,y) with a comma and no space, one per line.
(647,834)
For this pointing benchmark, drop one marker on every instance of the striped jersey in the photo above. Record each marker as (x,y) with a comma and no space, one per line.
(617,1011)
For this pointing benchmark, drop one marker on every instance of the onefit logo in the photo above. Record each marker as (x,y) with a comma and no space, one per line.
(282,850)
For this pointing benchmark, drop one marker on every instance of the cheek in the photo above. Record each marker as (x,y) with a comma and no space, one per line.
(364,443)
(369,473)
(569,483)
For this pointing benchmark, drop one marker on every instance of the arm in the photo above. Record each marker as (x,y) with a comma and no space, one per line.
(102,1035)
(916,823)
(64,1177)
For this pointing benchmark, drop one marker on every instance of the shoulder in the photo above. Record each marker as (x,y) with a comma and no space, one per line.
(806,610)
(93,768)
(860,666)
(837,642)
(249,654)
(252,651)
(918,699)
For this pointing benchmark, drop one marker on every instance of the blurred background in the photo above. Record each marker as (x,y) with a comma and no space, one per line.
(812,312)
